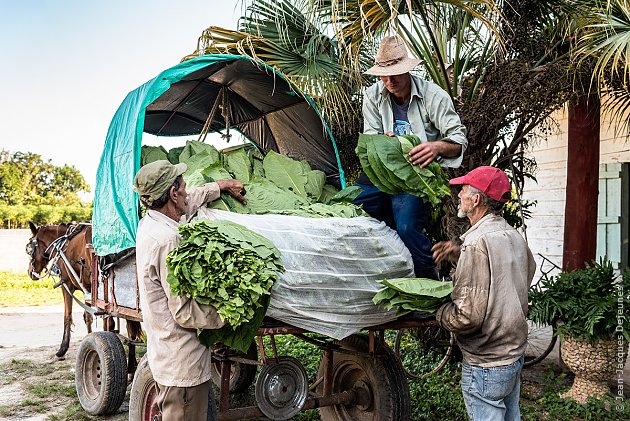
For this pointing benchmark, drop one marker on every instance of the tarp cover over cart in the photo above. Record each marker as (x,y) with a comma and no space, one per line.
(359,377)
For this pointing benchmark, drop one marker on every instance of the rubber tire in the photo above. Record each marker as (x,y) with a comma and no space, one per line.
(101,373)
(242,375)
(144,393)
(540,352)
(382,373)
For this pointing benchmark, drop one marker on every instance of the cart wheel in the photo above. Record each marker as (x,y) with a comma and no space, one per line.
(540,342)
(142,402)
(101,373)
(241,375)
(430,347)
(379,382)
(281,388)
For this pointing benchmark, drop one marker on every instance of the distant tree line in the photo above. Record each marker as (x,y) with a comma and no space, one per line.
(33,189)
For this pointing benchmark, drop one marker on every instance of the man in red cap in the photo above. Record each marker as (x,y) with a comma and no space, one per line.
(488,312)
(401,104)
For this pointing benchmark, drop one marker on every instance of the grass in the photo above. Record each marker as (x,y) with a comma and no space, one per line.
(18,289)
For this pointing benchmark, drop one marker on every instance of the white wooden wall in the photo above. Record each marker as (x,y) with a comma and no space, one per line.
(545,230)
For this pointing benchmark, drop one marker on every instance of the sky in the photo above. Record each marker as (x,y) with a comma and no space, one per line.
(66,65)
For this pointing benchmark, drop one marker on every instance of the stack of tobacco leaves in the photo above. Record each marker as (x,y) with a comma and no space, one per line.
(413,294)
(385,161)
(229,267)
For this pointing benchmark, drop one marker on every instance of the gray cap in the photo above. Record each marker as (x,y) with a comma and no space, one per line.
(155,178)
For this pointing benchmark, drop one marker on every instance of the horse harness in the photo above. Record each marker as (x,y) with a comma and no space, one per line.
(32,247)
(56,251)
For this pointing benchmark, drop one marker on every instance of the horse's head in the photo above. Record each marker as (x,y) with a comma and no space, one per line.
(37,247)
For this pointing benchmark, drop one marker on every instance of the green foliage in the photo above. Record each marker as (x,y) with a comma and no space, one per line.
(26,179)
(150,154)
(438,397)
(194,147)
(515,213)
(585,301)
(277,184)
(385,161)
(295,176)
(18,216)
(229,267)
(413,294)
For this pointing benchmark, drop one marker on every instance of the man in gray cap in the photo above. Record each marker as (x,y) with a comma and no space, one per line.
(180,364)
(401,104)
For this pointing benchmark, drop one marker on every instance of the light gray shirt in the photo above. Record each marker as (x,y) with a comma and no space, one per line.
(431,114)
(176,357)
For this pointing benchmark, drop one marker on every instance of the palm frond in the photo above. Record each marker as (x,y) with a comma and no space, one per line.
(606,39)
(295,44)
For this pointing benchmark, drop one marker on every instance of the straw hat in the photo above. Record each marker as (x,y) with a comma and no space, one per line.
(392,58)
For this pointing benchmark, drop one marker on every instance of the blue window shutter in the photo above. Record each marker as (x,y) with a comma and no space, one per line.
(612,215)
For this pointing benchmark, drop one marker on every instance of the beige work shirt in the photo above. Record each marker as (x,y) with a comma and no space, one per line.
(176,357)
(488,313)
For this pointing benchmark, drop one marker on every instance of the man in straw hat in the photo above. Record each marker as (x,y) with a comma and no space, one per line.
(399,104)
(488,313)
(180,364)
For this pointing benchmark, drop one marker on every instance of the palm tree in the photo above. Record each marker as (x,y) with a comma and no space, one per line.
(300,44)
(602,39)
(316,44)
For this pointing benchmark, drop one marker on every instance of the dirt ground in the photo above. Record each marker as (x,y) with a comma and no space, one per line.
(34,384)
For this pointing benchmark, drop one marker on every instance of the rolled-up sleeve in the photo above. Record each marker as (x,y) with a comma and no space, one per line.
(372,121)
(199,196)
(466,313)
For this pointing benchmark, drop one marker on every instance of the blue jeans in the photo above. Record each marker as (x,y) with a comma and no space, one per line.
(408,215)
(492,393)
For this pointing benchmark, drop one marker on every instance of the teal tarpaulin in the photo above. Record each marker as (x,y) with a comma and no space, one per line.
(290,130)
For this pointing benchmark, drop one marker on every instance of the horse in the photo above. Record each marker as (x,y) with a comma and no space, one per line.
(74,242)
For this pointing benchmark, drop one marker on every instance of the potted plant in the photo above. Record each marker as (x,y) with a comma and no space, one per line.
(591,307)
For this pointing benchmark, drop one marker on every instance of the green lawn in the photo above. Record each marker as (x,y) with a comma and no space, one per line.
(20,290)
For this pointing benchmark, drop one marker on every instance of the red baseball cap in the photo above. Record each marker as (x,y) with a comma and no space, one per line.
(491,181)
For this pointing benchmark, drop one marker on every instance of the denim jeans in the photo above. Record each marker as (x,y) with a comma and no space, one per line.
(492,393)
(408,215)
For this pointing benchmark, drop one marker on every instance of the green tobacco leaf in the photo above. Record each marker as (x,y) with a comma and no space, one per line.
(257,168)
(381,179)
(194,147)
(315,183)
(328,192)
(199,162)
(216,172)
(285,172)
(238,163)
(194,179)
(346,195)
(419,286)
(385,161)
(224,265)
(173,154)
(150,154)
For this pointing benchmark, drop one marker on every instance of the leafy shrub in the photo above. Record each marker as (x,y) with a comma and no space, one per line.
(585,301)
